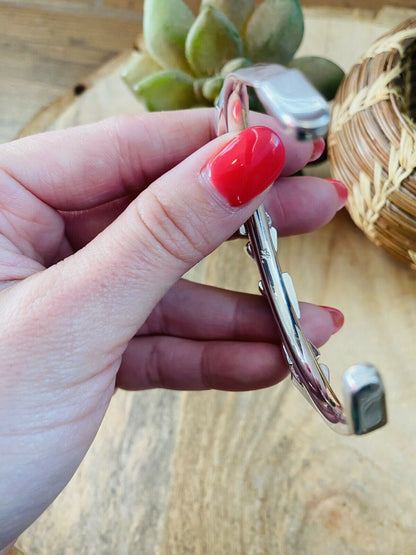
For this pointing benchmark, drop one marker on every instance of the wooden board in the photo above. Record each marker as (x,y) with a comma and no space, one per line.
(48,46)
(258,472)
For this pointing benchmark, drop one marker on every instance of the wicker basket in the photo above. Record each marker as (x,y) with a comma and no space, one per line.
(372,142)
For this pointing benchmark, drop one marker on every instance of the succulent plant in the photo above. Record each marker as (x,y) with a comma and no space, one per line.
(186,57)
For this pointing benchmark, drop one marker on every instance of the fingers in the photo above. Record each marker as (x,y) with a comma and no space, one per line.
(298,153)
(295,204)
(178,363)
(195,311)
(108,289)
(230,342)
(183,364)
(320,322)
(303,204)
(82,226)
(124,272)
(78,168)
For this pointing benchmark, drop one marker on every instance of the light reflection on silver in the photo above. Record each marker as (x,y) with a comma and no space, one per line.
(302,111)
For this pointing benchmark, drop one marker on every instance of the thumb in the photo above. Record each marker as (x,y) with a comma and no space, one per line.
(175,223)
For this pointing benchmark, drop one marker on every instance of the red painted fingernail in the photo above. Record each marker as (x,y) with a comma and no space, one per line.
(318,149)
(341,189)
(247,165)
(336,315)
(237,111)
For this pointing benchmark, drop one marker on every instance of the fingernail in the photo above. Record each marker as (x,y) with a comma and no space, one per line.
(336,315)
(318,149)
(342,191)
(247,165)
(237,113)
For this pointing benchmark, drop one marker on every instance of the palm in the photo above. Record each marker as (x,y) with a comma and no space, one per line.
(84,308)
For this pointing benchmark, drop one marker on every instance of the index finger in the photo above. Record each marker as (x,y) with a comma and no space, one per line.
(89,165)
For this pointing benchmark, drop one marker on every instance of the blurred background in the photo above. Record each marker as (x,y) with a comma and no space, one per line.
(49,46)
(180,473)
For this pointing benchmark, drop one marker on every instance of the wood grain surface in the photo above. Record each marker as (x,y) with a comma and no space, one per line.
(259,472)
(47,47)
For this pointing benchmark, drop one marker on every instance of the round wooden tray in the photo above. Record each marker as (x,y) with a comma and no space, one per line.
(259,472)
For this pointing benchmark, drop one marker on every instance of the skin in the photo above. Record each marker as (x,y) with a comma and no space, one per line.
(97,226)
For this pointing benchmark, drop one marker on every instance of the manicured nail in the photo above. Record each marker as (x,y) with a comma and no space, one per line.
(237,112)
(336,315)
(342,191)
(318,149)
(247,165)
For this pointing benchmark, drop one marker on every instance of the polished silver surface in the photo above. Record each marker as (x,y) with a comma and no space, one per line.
(364,398)
(288,96)
(300,109)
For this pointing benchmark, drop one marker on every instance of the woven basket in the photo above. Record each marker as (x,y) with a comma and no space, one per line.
(372,142)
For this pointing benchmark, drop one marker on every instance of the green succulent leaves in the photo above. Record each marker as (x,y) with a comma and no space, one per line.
(274,32)
(237,11)
(212,88)
(325,76)
(212,41)
(167,90)
(233,65)
(186,58)
(165,27)
(139,66)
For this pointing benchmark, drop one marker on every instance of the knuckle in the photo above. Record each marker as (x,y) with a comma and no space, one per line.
(155,367)
(119,130)
(175,229)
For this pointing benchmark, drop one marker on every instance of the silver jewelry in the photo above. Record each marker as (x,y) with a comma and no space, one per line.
(302,112)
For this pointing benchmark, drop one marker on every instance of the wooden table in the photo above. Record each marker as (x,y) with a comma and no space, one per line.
(48,46)
(222,473)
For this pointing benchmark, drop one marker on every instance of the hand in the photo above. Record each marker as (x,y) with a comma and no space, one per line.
(97,226)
